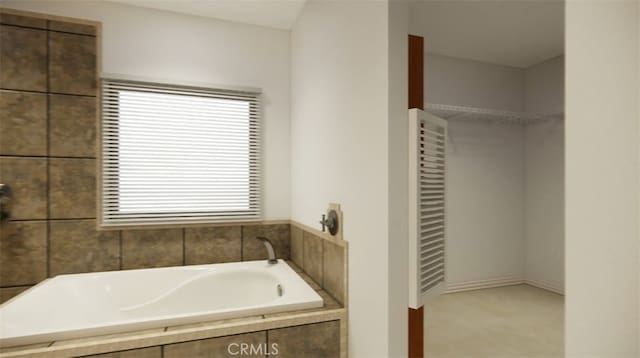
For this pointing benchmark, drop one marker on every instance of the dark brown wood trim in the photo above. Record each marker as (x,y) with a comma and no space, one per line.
(416,100)
(416,72)
(416,333)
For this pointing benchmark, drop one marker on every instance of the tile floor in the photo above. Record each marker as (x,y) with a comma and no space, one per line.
(511,321)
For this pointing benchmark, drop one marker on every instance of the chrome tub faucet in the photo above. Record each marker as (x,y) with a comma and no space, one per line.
(270,250)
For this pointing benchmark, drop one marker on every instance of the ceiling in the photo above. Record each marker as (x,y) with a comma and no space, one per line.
(517,33)
(280,14)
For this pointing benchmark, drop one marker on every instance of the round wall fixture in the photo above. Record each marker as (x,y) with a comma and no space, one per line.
(330,221)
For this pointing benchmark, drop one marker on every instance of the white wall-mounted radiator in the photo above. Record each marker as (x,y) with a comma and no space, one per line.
(427,170)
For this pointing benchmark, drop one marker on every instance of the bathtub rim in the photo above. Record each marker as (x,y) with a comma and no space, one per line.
(164,320)
(177,334)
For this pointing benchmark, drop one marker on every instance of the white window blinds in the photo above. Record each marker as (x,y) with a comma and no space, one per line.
(173,154)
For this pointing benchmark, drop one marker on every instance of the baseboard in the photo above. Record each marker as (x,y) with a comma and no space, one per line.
(499,282)
(481,284)
(544,286)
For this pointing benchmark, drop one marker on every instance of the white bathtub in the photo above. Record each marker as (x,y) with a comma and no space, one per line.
(80,305)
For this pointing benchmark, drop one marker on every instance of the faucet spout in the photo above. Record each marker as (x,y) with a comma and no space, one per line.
(270,250)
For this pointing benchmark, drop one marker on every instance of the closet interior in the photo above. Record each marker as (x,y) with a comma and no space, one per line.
(495,72)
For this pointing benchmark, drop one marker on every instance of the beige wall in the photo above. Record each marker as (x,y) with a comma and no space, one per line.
(398,245)
(544,87)
(172,47)
(463,82)
(340,152)
(485,202)
(47,156)
(485,169)
(602,135)
(544,204)
(544,176)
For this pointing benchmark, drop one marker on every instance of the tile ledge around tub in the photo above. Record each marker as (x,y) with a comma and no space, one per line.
(319,233)
(134,340)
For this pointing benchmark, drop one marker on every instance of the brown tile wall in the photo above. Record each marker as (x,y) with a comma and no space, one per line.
(318,340)
(48,98)
(321,259)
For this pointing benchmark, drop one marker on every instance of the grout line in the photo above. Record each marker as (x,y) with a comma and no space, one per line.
(20,286)
(302,239)
(26,27)
(322,263)
(78,158)
(43,156)
(48,161)
(120,253)
(47,92)
(241,243)
(67,219)
(52,219)
(303,245)
(28,220)
(184,247)
(47,29)
(72,33)
(48,233)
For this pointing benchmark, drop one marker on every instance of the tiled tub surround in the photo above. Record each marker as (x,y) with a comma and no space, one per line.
(330,282)
(32,251)
(320,259)
(319,332)
(48,154)
(48,97)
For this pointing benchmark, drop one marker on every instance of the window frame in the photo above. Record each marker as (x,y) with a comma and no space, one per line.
(107,108)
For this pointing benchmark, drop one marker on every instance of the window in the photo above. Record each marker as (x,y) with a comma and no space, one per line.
(173,154)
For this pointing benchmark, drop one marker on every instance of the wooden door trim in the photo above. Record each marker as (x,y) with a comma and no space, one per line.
(416,100)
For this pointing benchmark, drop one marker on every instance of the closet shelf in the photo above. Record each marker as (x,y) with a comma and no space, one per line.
(451,112)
